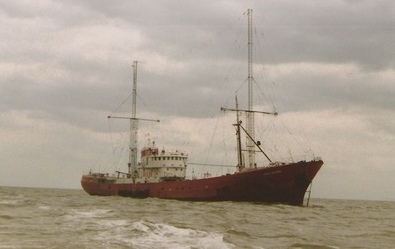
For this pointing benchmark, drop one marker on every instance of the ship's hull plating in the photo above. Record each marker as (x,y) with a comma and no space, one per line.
(278,184)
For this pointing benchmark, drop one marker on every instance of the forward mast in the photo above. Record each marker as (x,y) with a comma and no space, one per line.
(250,113)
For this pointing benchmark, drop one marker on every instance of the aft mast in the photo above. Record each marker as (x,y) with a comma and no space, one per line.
(241,165)
(250,129)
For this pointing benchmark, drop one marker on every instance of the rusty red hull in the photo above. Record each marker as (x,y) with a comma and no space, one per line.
(279,184)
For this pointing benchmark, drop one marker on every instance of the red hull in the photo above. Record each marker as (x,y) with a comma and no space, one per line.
(279,184)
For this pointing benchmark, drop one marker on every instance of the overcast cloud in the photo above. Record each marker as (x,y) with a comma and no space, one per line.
(328,68)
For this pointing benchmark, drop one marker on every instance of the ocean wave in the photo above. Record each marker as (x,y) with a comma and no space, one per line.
(312,246)
(6,217)
(148,234)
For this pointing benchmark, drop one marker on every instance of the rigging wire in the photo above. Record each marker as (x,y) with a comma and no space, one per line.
(122,103)
(118,152)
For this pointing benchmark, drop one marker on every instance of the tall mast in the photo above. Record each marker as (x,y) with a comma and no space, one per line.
(132,165)
(134,121)
(250,113)
(250,131)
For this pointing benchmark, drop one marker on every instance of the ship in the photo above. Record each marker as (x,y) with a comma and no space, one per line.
(161,173)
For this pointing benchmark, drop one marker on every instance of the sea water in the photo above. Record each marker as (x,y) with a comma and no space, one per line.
(55,218)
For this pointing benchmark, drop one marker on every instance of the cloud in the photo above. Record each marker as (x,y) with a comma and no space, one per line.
(331,32)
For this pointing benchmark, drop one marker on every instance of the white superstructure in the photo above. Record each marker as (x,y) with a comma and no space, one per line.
(157,166)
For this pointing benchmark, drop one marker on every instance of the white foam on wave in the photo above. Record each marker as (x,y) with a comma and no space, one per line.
(146,234)
(93,213)
(112,223)
(9,202)
(45,208)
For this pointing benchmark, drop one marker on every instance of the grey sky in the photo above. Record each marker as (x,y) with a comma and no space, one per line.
(328,67)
